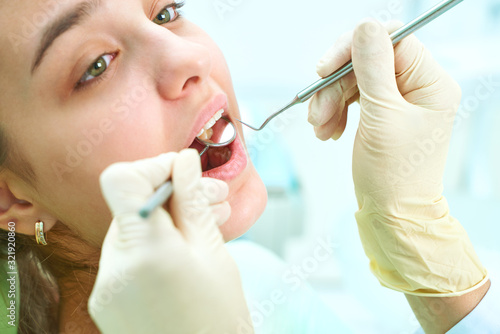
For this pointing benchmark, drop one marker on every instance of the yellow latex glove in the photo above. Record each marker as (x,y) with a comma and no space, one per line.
(408,103)
(170,273)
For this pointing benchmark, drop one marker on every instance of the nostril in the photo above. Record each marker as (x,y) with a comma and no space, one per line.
(191,81)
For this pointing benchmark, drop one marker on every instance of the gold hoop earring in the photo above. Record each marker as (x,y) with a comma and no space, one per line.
(40,236)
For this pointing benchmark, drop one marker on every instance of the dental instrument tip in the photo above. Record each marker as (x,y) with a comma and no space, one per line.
(249,126)
(295,101)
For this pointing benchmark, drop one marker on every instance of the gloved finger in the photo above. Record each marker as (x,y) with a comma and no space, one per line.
(335,126)
(417,71)
(373,61)
(131,234)
(214,190)
(222,212)
(341,52)
(187,201)
(190,207)
(324,105)
(126,186)
(325,131)
(330,101)
(339,130)
(337,56)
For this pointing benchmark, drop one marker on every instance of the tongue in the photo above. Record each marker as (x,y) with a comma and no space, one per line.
(214,157)
(218,156)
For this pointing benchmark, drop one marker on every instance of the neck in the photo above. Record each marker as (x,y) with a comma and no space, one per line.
(74,295)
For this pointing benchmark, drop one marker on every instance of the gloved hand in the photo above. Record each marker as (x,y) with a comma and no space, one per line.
(408,104)
(169,273)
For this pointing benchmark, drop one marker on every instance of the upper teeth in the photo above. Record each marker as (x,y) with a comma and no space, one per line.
(211,122)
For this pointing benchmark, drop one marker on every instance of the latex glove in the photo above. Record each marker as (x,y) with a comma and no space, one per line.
(408,104)
(167,273)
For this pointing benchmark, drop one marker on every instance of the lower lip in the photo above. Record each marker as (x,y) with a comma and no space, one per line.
(236,164)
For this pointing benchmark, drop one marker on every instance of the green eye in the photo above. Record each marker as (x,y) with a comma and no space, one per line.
(168,14)
(98,68)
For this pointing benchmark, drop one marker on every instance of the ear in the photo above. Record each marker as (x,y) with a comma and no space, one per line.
(17,207)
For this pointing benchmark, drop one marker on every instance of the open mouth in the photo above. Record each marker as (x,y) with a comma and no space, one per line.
(214,157)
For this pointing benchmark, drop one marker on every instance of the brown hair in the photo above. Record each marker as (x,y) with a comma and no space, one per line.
(38,295)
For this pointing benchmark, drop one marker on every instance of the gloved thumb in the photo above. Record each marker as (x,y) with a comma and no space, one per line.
(373,61)
(191,204)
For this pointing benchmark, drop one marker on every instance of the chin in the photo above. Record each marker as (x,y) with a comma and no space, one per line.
(248,199)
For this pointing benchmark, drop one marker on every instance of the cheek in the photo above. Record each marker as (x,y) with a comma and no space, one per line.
(75,152)
(123,131)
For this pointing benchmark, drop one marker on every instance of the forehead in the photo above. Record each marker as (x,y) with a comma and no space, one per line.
(21,24)
(22,21)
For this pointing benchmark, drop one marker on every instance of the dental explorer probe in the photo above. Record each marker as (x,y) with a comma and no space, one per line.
(396,37)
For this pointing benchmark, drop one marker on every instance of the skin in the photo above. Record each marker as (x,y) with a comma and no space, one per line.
(177,67)
(439,315)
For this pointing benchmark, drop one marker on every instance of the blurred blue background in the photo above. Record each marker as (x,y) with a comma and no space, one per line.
(272,48)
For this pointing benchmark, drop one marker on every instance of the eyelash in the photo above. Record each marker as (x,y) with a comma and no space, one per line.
(82,84)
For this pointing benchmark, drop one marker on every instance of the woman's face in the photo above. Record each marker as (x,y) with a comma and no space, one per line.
(86,83)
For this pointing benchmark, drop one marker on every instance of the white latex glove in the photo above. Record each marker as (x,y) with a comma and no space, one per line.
(408,103)
(167,273)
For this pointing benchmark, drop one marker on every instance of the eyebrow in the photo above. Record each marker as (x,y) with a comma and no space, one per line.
(62,24)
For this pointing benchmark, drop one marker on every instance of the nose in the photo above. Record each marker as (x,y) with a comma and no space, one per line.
(181,65)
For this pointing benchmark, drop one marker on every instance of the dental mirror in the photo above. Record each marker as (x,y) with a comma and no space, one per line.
(226,138)
(163,193)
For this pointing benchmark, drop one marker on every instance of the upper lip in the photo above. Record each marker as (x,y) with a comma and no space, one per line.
(216,103)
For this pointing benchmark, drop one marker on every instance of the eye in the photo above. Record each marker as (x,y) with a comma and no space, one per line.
(97,68)
(168,14)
